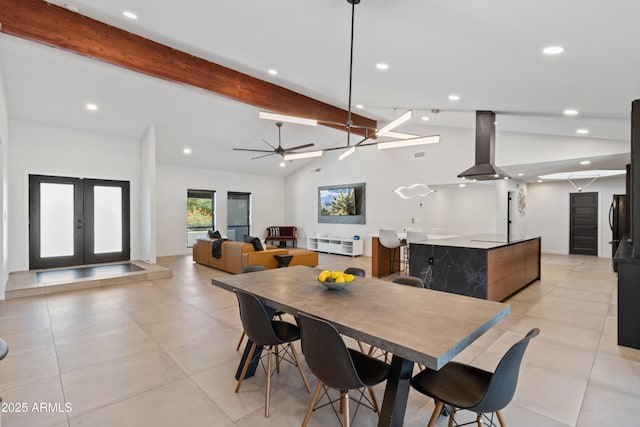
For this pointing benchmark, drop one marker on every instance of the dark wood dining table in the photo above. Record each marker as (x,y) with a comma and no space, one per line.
(415,325)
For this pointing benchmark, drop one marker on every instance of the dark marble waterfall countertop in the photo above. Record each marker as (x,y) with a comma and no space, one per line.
(476,241)
(624,254)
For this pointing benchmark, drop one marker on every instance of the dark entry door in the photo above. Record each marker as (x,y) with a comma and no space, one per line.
(583,229)
(74,221)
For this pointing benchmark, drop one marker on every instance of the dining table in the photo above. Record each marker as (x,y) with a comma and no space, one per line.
(415,325)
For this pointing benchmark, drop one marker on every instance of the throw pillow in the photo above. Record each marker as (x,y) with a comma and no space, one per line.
(257,245)
(214,234)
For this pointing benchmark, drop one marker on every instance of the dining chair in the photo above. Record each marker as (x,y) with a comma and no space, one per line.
(250,269)
(409,281)
(337,366)
(390,240)
(269,334)
(466,387)
(355,271)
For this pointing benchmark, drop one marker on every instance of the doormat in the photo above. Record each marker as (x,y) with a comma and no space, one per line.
(94,271)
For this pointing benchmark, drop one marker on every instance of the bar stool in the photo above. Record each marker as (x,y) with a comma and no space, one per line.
(4,350)
(389,239)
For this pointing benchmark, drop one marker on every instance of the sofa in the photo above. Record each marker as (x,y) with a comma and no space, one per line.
(234,256)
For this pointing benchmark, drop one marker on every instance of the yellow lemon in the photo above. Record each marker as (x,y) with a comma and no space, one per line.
(349,277)
(340,279)
(323,276)
(336,274)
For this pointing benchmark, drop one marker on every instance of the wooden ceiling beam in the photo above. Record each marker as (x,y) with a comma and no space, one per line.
(41,22)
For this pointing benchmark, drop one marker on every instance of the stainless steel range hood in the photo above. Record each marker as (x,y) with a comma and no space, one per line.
(484,169)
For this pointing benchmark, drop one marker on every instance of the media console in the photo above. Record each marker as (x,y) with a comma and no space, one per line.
(335,245)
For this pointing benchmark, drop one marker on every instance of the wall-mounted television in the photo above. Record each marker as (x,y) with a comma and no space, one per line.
(342,204)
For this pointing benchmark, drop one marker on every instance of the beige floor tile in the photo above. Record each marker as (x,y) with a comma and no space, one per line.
(74,354)
(561,332)
(74,325)
(574,304)
(181,403)
(29,341)
(190,324)
(24,323)
(204,351)
(18,369)
(519,416)
(609,342)
(551,394)
(173,309)
(620,374)
(598,297)
(23,306)
(565,315)
(96,386)
(604,406)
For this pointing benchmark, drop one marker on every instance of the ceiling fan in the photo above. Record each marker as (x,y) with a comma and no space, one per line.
(401,139)
(276,150)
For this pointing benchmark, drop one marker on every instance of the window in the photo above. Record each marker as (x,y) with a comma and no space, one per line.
(201,210)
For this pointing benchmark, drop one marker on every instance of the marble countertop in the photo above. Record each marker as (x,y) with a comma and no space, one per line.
(476,241)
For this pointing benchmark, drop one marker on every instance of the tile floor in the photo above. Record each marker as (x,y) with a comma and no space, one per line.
(162,353)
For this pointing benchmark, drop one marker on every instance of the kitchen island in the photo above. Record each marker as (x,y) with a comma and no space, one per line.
(486,266)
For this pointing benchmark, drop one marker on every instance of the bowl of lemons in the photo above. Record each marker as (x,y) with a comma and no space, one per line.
(335,280)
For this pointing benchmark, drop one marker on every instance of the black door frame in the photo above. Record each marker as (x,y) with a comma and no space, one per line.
(83,223)
(578,251)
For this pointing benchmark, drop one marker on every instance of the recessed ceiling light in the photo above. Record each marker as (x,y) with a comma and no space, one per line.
(425,118)
(272,72)
(520,174)
(570,112)
(359,106)
(130,15)
(454,97)
(585,162)
(91,106)
(282,164)
(506,177)
(462,185)
(382,66)
(187,150)
(582,131)
(539,180)
(553,50)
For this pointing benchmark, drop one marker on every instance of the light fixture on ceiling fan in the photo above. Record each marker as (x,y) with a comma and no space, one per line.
(286,153)
(404,139)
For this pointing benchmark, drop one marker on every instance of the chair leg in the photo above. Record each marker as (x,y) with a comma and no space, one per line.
(479,420)
(294,353)
(240,342)
(374,400)
(267,397)
(344,400)
(246,366)
(277,359)
(452,417)
(361,347)
(436,414)
(502,423)
(314,399)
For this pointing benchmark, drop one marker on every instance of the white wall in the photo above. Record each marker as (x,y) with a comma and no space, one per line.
(548,213)
(148,195)
(4,194)
(46,150)
(267,195)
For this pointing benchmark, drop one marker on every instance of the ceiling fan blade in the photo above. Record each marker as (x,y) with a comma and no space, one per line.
(264,155)
(267,142)
(250,149)
(299,147)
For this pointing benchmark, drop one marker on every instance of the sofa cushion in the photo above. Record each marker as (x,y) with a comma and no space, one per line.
(257,245)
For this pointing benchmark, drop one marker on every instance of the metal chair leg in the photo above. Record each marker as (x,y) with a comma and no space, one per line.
(314,399)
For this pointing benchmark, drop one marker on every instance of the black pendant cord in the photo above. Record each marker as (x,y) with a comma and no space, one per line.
(349,122)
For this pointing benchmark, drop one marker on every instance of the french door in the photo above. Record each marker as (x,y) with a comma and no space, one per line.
(75,221)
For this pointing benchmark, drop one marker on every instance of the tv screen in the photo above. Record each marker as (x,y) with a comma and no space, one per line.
(342,203)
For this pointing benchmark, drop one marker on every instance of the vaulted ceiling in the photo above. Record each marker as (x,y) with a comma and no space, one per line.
(488,53)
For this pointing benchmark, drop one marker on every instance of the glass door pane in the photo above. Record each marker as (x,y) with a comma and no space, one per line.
(57,221)
(238,215)
(200,214)
(107,214)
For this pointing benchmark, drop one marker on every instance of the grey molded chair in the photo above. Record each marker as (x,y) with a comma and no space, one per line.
(337,366)
(355,271)
(270,334)
(409,281)
(390,240)
(466,387)
(4,350)
(250,269)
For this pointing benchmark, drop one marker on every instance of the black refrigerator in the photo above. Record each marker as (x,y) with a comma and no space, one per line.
(619,222)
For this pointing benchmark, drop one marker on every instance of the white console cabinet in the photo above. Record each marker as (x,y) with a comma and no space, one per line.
(335,245)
